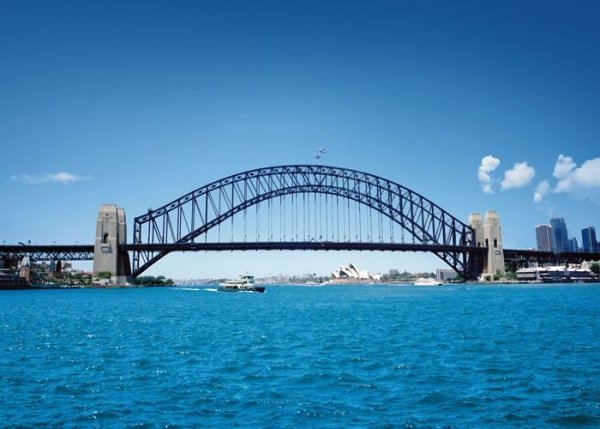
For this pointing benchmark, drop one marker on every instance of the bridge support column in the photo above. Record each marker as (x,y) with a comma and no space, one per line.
(25,271)
(488,233)
(111,233)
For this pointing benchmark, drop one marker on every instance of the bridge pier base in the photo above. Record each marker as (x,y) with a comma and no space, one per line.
(111,233)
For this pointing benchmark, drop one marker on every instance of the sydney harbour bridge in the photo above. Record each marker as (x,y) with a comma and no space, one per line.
(293,207)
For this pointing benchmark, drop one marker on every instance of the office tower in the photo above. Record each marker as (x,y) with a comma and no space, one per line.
(560,234)
(588,237)
(544,238)
(573,245)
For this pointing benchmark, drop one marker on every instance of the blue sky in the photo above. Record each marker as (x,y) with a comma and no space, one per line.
(136,103)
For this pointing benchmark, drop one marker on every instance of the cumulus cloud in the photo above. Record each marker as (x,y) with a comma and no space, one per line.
(584,180)
(60,177)
(517,177)
(564,166)
(541,191)
(580,181)
(488,164)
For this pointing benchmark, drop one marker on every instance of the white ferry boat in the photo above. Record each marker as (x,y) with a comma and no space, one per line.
(572,273)
(245,283)
(427,282)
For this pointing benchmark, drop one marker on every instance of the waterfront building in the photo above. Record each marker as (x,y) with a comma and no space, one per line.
(444,275)
(350,272)
(544,238)
(588,237)
(560,234)
(393,273)
(557,274)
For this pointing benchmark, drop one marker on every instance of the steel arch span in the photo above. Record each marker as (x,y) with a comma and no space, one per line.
(185,223)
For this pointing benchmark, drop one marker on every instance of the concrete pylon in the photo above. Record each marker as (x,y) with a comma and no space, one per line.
(111,232)
(477,225)
(488,233)
(25,271)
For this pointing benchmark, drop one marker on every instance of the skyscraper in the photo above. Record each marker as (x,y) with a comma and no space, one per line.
(543,235)
(588,239)
(573,245)
(560,234)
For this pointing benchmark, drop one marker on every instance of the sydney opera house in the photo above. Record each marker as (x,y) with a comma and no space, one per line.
(349,273)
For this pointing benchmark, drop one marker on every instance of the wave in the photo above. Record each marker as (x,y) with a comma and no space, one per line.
(196,289)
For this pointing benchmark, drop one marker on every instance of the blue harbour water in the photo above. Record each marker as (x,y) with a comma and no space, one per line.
(333,357)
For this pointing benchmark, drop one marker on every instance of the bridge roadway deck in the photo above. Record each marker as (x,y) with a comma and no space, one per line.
(83,252)
(300,245)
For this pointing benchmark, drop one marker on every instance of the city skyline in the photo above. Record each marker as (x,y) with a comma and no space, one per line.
(477,107)
(554,237)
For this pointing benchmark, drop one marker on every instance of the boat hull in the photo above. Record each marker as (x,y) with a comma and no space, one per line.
(428,283)
(259,289)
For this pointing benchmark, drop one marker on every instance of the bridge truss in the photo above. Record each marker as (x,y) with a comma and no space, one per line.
(303,207)
(519,258)
(12,254)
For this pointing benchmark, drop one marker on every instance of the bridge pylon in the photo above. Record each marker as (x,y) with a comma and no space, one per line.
(111,236)
(488,234)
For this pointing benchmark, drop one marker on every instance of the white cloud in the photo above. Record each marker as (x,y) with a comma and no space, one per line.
(541,191)
(487,188)
(61,177)
(488,164)
(563,167)
(584,180)
(520,175)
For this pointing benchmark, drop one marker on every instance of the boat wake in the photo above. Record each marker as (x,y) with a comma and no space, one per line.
(210,289)
(196,289)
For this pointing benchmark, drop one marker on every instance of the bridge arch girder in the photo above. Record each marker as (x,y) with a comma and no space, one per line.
(176,221)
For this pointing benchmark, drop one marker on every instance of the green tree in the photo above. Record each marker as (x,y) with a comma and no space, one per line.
(595,268)
(458,279)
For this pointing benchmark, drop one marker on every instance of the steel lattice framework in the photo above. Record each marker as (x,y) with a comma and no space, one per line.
(64,252)
(518,258)
(181,223)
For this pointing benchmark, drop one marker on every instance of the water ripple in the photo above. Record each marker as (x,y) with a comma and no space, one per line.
(318,357)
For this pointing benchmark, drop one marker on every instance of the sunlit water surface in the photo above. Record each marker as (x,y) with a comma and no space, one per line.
(335,357)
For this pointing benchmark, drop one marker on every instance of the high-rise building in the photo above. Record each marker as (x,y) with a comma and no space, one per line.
(573,245)
(544,238)
(588,239)
(561,236)
(443,275)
